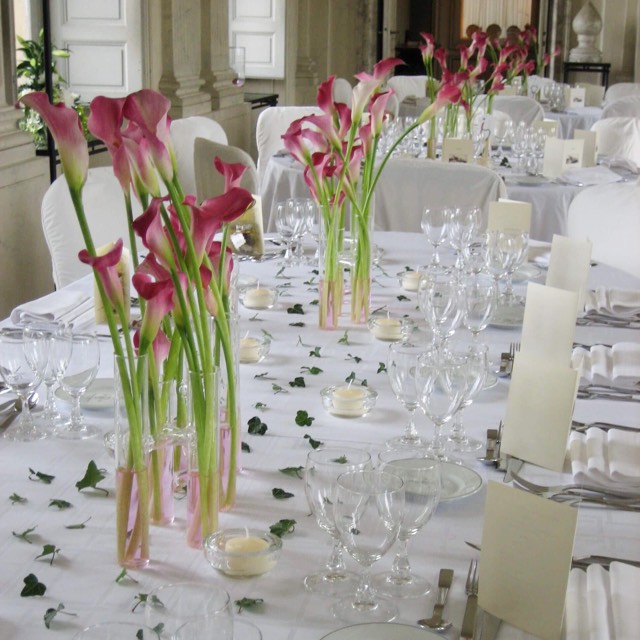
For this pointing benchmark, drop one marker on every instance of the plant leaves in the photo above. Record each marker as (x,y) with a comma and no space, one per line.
(303,419)
(345,338)
(38,476)
(280,494)
(81,525)
(296,309)
(49,550)
(282,526)
(16,499)
(260,406)
(276,388)
(351,377)
(315,353)
(245,447)
(382,367)
(297,324)
(25,534)
(256,426)
(356,359)
(298,381)
(32,587)
(314,443)
(92,476)
(340,460)
(143,598)
(51,613)
(292,471)
(402,297)
(314,371)
(248,603)
(60,504)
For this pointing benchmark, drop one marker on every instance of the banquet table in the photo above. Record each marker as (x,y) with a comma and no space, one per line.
(571,119)
(83,575)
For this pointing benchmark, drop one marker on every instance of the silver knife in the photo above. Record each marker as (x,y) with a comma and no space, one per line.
(489,625)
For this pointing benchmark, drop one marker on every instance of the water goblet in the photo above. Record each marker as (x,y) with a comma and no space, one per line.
(502,132)
(496,257)
(320,479)
(420,473)
(516,246)
(368,513)
(289,222)
(401,364)
(19,355)
(80,372)
(306,206)
(434,225)
(479,298)
(464,223)
(439,301)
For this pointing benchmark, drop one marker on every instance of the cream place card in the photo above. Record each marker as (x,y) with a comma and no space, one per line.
(550,127)
(560,155)
(527,545)
(549,324)
(457,150)
(590,149)
(540,406)
(569,266)
(509,90)
(576,97)
(123,269)
(594,94)
(509,214)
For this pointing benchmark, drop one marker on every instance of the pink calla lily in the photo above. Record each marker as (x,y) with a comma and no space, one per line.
(232,172)
(159,295)
(325,96)
(150,229)
(105,268)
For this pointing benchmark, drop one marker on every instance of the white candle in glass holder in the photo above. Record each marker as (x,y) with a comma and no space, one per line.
(245,557)
(411,280)
(258,298)
(349,399)
(387,328)
(250,349)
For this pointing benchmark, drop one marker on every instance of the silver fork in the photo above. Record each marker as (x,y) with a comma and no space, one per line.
(514,347)
(471,589)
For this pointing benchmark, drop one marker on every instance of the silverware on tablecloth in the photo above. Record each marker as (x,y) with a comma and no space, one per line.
(435,622)
(488,625)
(590,394)
(607,321)
(471,589)
(581,427)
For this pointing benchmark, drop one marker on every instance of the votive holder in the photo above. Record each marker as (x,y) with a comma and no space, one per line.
(254,348)
(258,297)
(390,328)
(348,401)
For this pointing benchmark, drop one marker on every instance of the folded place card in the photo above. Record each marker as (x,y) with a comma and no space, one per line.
(123,269)
(527,545)
(593,94)
(590,150)
(569,266)
(576,97)
(509,214)
(247,235)
(539,410)
(457,150)
(560,155)
(550,127)
(549,323)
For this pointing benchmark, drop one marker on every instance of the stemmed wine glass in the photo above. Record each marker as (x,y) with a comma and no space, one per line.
(434,225)
(422,487)
(515,245)
(439,301)
(463,224)
(321,473)
(478,300)
(19,355)
(401,364)
(368,512)
(80,372)
(290,222)
(496,257)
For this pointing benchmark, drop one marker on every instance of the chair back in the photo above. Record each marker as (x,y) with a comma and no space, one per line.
(619,137)
(628,107)
(342,91)
(209,182)
(621,90)
(106,215)
(405,86)
(609,216)
(519,108)
(184,132)
(272,123)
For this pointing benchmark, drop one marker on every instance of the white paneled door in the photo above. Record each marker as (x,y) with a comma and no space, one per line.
(105,40)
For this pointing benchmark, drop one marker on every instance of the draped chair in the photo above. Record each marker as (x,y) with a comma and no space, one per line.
(621,90)
(405,86)
(619,137)
(628,107)
(519,108)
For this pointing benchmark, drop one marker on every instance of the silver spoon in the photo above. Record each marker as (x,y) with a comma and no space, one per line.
(436,622)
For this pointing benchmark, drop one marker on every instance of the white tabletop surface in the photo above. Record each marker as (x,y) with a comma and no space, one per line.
(83,575)
(572,119)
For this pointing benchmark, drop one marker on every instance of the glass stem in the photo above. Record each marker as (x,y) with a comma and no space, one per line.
(76,414)
(457,430)
(335,563)
(50,409)
(364,597)
(401,569)
(437,444)
(410,431)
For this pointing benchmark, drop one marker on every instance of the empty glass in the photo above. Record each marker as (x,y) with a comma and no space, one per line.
(434,225)
(478,300)
(237,57)
(290,220)
(464,223)
(439,301)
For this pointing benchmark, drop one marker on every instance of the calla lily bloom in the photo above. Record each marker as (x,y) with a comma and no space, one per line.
(64,125)
(232,172)
(150,229)
(160,301)
(161,345)
(428,48)
(325,96)
(105,268)
(448,94)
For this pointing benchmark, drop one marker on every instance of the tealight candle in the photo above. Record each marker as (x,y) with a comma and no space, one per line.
(410,280)
(258,298)
(386,328)
(349,400)
(250,349)
(246,557)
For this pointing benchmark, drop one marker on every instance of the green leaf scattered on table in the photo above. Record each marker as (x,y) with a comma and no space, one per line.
(263,376)
(80,525)
(505,162)
(314,443)
(282,526)
(143,598)
(248,603)
(256,426)
(25,534)
(260,406)
(378,310)
(16,499)
(38,476)
(314,371)
(356,359)
(254,318)
(267,334)
(402,297)
(298,381)
(124,575)
(276,388)
(245,447)
(292,471)
(60,504)
(281,494)
(340,460)
(311,281)
(382,367)
(351,377)
(158,629)
(92,476)
(49,550)
(315,353)
(300,343)
(297,324)
(296,309)
(315,272)
(51,613)
(315,303)
(280,274)
(32,587)
(345,338)
(303,419)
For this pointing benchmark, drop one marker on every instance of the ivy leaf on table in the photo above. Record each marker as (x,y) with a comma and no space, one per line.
(298,381)
(60,504)
(256,426)
(92,476)
(382,367)
(80,525)
(303,419)
(267,334)
(254,318)
(402,297)
(38,476)
(315,353)
(248,603)
(49,550)
(281,494)
(296,309)
(16,499)
(281,275)
(282,526)
(356,359)
(345,338)
(124,575)
(143,598)
(314,371)
(341,460)
(294,472)
(25,535)
(315,303)
(314,443)
(32,587)
(245,447)
(297,324)
(260,406)
(51,613)
(263,376)
(276,388)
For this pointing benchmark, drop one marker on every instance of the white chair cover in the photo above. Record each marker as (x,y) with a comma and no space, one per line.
(405,86)
(519,108)
(184,133)
(209,182)
(621,90)
(406,187)
(393,106)
(619,138)
(272,123)
(342,91)
(628,107)
(106,215)
(609,216)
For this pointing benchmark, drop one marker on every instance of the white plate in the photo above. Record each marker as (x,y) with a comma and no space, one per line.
(99,395)
(458,481)
(526,272)
(529,181)
(381,631)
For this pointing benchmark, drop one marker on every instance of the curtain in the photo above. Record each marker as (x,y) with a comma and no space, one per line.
(502,12)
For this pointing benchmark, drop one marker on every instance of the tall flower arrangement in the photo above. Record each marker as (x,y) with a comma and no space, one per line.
(339,149)
(182,282)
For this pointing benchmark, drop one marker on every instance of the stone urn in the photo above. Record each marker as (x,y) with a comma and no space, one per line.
(587,25)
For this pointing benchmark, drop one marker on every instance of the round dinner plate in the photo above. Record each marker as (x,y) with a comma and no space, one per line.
(381,631)
(526,272)
(528,181)
(99,395)
(458,481)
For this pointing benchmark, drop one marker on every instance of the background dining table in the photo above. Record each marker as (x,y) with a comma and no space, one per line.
(575,118)
(83,576)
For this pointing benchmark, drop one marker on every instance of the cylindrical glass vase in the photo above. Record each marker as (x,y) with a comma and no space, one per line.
(331,267)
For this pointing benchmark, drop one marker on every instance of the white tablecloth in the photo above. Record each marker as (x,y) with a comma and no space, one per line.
(572,119)
(83,575)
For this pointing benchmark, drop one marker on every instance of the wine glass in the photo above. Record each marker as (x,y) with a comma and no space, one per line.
(420,473)
(464,222)
(516,246)
(439,301)
(401,364)
(496,258)
(368,512)
(80,372)
(434,225)
(19,355)
(478,300)
(309,213)
(321,473)
(441,383)
(290,222)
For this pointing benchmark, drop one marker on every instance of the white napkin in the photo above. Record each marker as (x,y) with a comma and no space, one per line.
(618,365)
(624,303)
(66,307)
(619,162)
(589,176)
(603,605)
(607,458)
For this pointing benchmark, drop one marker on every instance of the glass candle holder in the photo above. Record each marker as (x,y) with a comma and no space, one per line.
(242,553)
(348,401)
(253,348)
(259,297)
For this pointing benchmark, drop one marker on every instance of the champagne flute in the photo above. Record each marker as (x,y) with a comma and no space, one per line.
(422,486)
(80,372)
(320,479)
(368,513)
(434,225)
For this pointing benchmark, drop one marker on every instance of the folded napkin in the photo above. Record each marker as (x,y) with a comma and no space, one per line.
(618,365)
(620,163)
(624,303)
(65,307)
(607,458)
(589,176)
(603,605)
